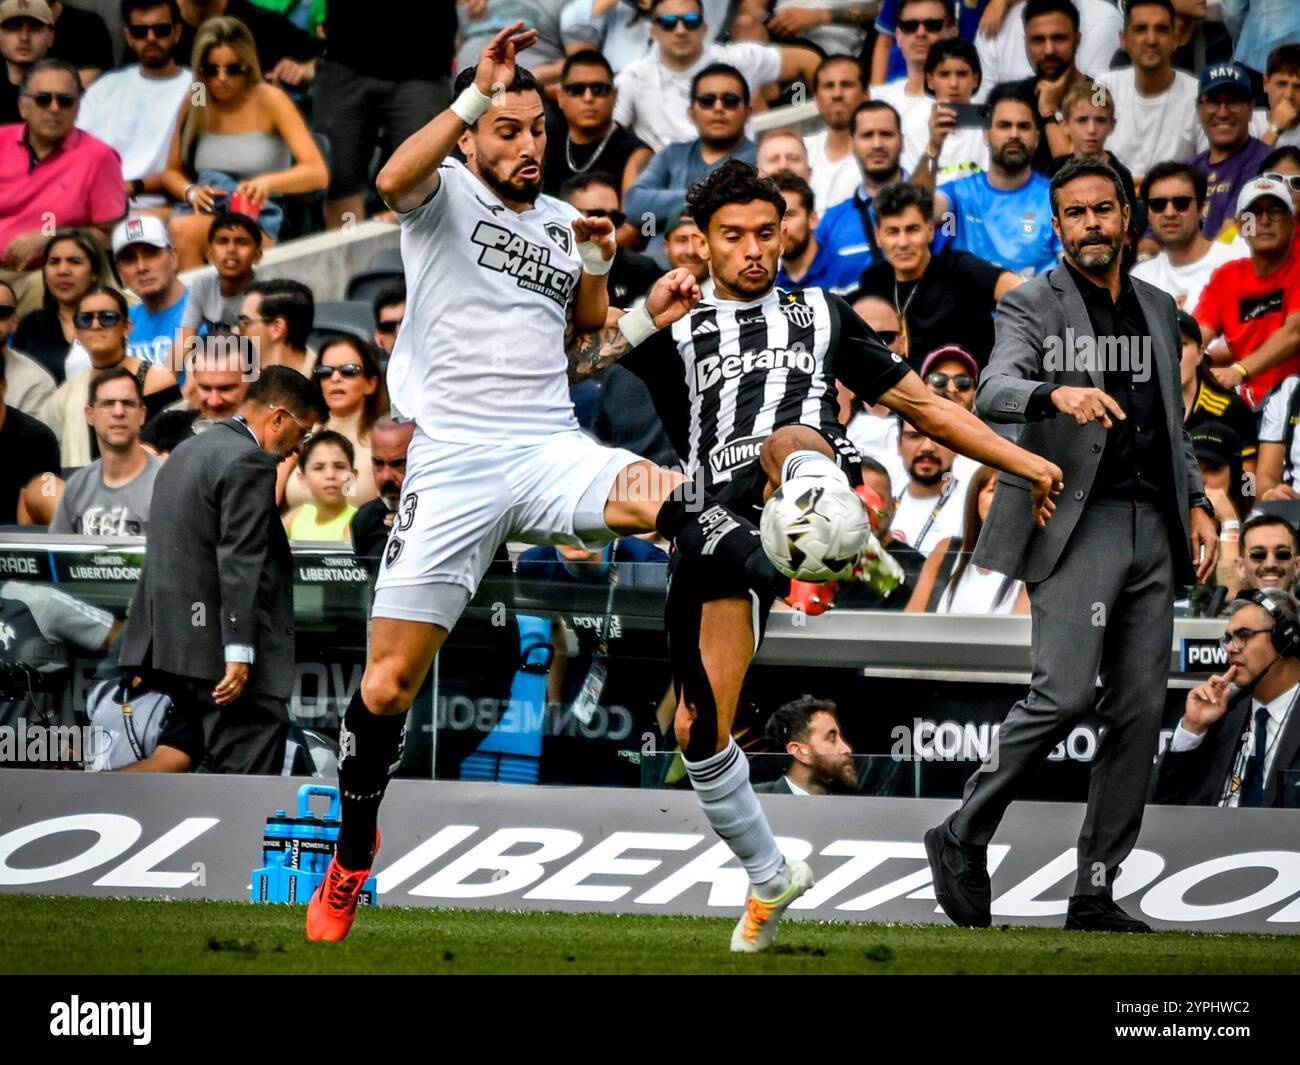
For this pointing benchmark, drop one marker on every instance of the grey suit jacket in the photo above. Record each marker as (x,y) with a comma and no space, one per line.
(1197,777)
(217,570)
(779,786)
(1035,324)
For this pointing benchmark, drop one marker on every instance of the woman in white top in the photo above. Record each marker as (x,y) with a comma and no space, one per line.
(950,583)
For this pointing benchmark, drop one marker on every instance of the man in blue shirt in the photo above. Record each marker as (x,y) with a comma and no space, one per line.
(804,262)
(146,262)
(719,110)
(1004,215)
(846,230)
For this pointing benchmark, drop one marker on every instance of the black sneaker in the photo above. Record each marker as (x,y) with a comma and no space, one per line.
(1100,913)
(961,877)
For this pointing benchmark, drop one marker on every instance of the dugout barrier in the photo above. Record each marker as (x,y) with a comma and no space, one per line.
(920,695)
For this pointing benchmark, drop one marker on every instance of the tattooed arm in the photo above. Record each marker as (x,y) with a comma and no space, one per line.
(592,353)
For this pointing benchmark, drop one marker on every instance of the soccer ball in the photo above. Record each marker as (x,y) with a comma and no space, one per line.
(815,529)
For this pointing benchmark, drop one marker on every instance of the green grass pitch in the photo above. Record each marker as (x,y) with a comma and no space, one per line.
(79,935)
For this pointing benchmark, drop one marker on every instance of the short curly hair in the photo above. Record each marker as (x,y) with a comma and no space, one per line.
(732,182)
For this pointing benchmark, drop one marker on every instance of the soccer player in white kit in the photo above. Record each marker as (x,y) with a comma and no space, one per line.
(495,273)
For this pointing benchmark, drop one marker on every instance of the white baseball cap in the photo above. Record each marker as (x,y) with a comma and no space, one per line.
(1258,188)
(147,229)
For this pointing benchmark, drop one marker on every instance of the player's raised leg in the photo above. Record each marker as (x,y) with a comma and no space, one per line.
(711,619)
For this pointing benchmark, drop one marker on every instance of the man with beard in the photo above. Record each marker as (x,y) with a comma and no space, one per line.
(847,230)
(1004,215)
(821,760)
(930,508)
(1052,41)
(135,109)
(1132,527)
(373,521)
(804,262)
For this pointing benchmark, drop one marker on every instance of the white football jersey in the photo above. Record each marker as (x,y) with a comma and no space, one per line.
(480,355)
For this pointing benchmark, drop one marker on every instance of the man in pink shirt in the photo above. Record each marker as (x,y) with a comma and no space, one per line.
(51,176)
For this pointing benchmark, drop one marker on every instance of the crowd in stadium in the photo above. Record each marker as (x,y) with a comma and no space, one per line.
(915,146)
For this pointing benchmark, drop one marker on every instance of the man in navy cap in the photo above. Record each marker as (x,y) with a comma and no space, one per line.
(1224,106)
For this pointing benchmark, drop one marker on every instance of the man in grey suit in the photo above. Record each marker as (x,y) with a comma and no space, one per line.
(1086,363)
(211,622)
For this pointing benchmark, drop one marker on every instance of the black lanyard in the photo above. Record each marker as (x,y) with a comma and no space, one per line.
(938,509)
(868,227)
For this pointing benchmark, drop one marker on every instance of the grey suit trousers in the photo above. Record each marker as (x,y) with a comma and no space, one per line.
(1105,611)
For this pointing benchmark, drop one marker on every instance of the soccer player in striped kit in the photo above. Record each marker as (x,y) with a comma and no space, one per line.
(744,380)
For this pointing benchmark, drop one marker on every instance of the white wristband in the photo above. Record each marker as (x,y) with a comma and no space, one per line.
(637,325)
(592,260)
(470,104)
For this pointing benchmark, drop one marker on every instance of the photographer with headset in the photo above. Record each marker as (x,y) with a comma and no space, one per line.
(1230,748)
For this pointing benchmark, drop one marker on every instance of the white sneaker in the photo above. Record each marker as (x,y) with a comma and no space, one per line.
(756,930)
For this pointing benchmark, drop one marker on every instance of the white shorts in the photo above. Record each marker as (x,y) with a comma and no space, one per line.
(460,502)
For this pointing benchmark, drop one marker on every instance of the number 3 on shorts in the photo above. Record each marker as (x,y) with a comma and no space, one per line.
(407,515)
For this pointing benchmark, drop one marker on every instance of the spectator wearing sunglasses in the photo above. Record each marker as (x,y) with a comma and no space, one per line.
(719,110)
(349,379)
(593,142)
(621,30)
(1174,194)
(286,53)
(50,169)
(1254,304)
(1267,559)
(136,109)
(655,93)
(26,35)
(921,25)
(595,195)
(943,298)
(1283,164)
(30,385)
(278,315)
(102,329)
(241,144)
(804,262)
(389,309)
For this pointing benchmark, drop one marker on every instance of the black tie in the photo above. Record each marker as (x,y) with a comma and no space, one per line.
(1252,788)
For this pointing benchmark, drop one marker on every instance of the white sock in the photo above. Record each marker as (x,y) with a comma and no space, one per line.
(810,464)
(722,785)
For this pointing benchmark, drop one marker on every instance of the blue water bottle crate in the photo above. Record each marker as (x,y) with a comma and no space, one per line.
(296,851)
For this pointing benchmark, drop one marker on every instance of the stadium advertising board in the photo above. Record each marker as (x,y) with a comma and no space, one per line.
(629,851)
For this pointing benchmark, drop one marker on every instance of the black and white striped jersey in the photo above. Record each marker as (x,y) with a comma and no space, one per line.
(727,375)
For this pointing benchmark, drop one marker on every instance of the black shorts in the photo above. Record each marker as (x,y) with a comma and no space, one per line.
(694,581)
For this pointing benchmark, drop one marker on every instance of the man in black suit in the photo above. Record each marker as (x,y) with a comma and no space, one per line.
(821,761)
(1231,748)
(373,521)
(212,618)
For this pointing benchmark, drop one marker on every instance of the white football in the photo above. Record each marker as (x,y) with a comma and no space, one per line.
(815,528)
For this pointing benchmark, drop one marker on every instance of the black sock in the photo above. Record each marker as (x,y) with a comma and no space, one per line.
(704,527)
(370,748)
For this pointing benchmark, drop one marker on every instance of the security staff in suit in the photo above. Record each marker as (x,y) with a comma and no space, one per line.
(211,622)
(821,761)
(1086,362)
(1231,748)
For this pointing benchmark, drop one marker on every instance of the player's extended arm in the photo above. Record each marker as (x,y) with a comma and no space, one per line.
(411,174)
(592,352)
(955,427)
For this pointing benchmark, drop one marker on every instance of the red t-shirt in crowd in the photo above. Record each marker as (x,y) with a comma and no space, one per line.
(1247,309)
(78,184)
